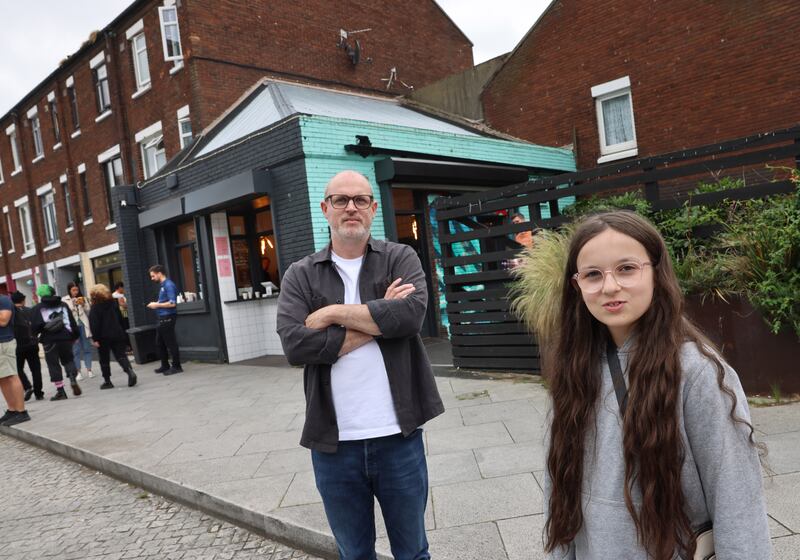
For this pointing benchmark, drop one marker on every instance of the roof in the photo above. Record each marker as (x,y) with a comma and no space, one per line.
(273,102)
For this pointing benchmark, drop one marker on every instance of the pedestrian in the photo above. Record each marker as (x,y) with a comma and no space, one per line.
(109,334)
(83,344)
(351,314)
(119,296)
(167,311)
(651,441)
(53,322)
(27,348)
(10,384)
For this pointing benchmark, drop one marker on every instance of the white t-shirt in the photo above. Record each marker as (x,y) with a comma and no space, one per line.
(361,394)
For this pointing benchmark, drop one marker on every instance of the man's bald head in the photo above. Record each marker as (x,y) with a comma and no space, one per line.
(349,178)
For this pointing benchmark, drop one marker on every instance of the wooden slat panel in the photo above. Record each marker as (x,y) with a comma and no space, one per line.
(743,193)
(494,341)
(503,351)
(491,362)
(457,318)
(476,277)
(489,328)
(482,257)
(473,295)
(490,305)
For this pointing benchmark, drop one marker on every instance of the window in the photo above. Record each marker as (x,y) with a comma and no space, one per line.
(100,74)
(184,126)
(10,231)
(189,280)
(112,173)
(153,155)
(12,139)
(170,33)
(253,245)
(73,105)
(616,126)
(87,207)
(2,179)
(54,119)
(36,131)
(28,244)
(48,203)
(140,65)
(67,200)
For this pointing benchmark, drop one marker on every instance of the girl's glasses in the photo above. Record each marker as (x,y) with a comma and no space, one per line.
(626,275)
(340,201)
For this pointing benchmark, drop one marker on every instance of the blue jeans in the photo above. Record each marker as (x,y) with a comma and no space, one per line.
(82,348)
(393,470)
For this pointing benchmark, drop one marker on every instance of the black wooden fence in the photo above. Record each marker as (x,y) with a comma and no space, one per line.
(477,236)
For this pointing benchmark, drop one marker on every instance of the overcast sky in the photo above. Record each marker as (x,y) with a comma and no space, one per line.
(37,34)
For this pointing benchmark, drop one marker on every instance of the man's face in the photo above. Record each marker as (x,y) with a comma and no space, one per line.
(350,222)
(155,276)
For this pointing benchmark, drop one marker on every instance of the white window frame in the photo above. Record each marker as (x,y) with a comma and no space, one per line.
(47,201)
(10,230)
(72,99)
(62,181)
(11,132)
(52,107)
(164,25)
(36,133)
(24,213)
(147,139)
(183,117)
(2,178)
(109,162)
(141,83)
(604,92)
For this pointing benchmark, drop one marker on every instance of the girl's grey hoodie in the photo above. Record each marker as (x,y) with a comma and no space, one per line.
(721,474)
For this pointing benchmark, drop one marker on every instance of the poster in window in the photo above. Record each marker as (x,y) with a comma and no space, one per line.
(221,245)
(224,268)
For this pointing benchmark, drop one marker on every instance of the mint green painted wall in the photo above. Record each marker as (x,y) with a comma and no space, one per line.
(324,139)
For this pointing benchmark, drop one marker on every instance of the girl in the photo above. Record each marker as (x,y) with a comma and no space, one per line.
(109,334)
(636,472)
(83,345)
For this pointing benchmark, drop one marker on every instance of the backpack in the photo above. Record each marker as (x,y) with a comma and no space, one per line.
(55,322)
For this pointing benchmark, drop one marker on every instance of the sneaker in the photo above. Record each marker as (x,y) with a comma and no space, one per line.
(90,374)
(79,377)
(107,384)
(28,394)
(17,418)
(173,370)
(39,396)
(60,395)
(162,369)
(76,389)
(131,378)
(6,416)
(178,368)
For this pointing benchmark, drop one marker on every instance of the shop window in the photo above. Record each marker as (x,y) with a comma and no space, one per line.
(254,246)
(189,279)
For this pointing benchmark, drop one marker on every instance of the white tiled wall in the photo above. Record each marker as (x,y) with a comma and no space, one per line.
(249,326)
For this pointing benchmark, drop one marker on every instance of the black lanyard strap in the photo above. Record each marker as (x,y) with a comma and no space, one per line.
(616,376)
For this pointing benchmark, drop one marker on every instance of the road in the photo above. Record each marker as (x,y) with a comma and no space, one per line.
(51,508)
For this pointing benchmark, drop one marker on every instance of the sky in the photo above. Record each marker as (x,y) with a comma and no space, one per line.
(45,31)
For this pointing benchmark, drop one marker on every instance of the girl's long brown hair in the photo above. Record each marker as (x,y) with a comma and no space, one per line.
(652,445)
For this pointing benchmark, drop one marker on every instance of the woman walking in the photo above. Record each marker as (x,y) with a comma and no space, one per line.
(651,441)
(53,322)
(109,334)
(83,345)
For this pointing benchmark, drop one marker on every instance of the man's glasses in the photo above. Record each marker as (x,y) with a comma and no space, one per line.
(340,201)
(626,275)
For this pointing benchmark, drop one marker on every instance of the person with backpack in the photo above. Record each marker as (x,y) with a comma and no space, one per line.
(54,324)
(105,322)
(27,348)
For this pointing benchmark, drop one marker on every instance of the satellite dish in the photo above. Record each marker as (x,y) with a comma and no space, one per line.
(354,52)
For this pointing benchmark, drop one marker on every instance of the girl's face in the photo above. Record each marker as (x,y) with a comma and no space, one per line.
(617,307)
(73,291)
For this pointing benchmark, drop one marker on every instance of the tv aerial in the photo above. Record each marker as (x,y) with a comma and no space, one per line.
(351,48)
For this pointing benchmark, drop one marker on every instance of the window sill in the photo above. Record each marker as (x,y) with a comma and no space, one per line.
(16,172)
(11,252)
(89,221)
(191,307)
(177,68)
(252,300)
(55,245)
(618,155)
(57,146)
(37,159)
(141,91)
(111,226)
(75,134)
(103,116)
(69,229)
(28,254)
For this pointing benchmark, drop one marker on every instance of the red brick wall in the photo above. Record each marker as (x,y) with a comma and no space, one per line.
(701,72)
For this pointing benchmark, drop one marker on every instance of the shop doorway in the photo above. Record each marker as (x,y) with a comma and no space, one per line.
(108,270)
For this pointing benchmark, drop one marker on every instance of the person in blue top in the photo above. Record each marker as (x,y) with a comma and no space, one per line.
(10,385)
(167,311)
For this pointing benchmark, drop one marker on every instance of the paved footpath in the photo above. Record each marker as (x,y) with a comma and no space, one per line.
(67,511)
(225,438)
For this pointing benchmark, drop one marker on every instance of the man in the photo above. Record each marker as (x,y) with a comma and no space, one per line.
(351,314)
(27,348)
(119,296)
(10,385)
(167,311)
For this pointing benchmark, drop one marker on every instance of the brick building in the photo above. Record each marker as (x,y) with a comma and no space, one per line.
(134,95)
(624,78)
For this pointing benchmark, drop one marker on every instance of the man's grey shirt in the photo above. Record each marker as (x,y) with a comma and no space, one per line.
(313,283)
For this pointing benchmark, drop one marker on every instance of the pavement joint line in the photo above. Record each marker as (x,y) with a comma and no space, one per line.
(290,533)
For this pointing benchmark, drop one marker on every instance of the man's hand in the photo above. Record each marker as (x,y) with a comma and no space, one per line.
(95,344)
(152,305)
(320,319)
(396,290)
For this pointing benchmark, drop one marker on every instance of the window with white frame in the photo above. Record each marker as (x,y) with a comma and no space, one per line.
(151,146)
(2,179)
(112,173)
(140,64)
(170,33)
(53,108)
(87,205)
(48,203)
(11,131)
(184,126)
(66,198)
(615,121)
(28,243)
(101,90)
(36,132)
(72,95)
(10,230)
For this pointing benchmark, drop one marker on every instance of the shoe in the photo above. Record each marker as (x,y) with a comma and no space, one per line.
(162,369)
(173,370)
(39,396)
(60,395)
(6,416)
(177,368)
(17,418)
(131,378)
(76,389)
(28,394)
(107,384)
(90,374)
(79,377)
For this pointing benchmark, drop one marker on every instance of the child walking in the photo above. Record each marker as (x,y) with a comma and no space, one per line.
(108,334)
(650,440)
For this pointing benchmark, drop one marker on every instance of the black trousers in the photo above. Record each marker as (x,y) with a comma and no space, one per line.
(58,354)
(30,355)
(166,341)
(104,351)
